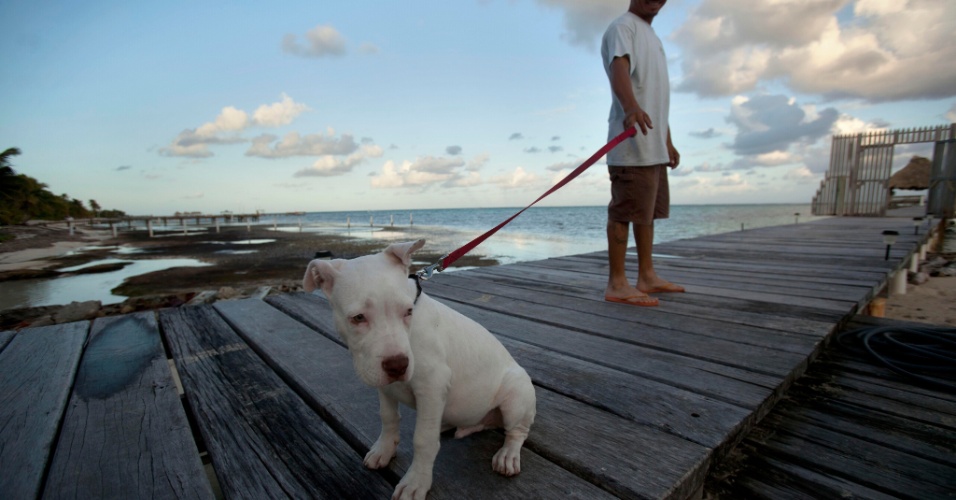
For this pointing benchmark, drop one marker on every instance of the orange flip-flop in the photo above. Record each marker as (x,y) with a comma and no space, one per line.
(645,300)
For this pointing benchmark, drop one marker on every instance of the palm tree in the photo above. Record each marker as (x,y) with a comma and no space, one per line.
(7,174)
(95,206)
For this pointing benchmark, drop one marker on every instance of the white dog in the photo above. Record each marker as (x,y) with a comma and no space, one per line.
(422,353)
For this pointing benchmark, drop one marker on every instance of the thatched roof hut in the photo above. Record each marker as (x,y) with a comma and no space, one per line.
(915,175)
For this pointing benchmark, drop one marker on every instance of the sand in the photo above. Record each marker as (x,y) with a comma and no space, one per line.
(933,302)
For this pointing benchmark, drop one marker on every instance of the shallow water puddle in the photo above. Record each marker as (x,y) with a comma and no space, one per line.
(244,242)
(66,289)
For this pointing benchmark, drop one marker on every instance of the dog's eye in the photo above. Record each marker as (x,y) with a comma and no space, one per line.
(408,312)
(358,318)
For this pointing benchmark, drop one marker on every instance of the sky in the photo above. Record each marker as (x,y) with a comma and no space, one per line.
(159,107)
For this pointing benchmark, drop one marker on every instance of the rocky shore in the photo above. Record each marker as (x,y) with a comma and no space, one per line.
(244,263)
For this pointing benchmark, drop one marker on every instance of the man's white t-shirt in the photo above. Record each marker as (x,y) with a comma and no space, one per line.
(631,36)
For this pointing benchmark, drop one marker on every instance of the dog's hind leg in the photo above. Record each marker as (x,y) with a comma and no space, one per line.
(517,411)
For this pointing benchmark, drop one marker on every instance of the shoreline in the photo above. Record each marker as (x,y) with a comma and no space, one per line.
(245,261)
(276,259)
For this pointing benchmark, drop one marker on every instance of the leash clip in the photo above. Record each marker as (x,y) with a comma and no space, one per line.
(427,272)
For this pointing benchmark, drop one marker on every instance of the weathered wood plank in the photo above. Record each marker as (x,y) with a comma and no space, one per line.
(756,255)
(779,273)
(857,432)
(5,338)
(753,311)
(321,371)
(691,416)
(264,441)
(685,414)
(729,384)
(783,480)
(691,337)
(36,372)
(590,442)
(865,462)
(125,434)
(716,299)
(891,401)
(769,331)
(784,269)
(773,295)
(909,437)
(638,474)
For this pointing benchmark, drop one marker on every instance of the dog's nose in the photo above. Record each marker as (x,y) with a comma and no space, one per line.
(395,366)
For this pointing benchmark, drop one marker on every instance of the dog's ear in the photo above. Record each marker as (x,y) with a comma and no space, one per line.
(403,251)
(321,274)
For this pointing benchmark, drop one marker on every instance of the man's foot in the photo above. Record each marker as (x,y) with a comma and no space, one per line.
(661,287)
(631,297)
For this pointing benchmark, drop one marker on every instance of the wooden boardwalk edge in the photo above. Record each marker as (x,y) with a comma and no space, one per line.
(632,402)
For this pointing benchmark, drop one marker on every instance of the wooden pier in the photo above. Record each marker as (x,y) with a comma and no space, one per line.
(258,399)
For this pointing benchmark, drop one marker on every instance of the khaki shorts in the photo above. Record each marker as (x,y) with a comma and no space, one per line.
(638,194)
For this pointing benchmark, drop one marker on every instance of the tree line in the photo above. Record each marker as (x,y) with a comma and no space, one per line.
(23,198)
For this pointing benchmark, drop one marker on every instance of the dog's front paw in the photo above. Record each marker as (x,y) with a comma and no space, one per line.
(413,487)
(507,461)
(380,454)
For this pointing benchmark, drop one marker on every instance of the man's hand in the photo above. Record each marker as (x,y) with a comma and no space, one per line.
(637,117)
(672,153)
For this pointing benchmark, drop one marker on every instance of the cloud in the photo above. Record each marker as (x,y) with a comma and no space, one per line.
(515,136)
(951,114)
(230,119)
(518,178)
(477,162)
(887,51)
(330,166)
(705,134)
(555,149)
(228,125)
(532,150)
(800,174)
(294,144)
(279,113)
(368,48)
(767,123)
(424,173)
(585,21)
(567,165)
(320,41)
(453,150)
(123,167)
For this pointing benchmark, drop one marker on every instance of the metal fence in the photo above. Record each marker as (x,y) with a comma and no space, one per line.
(857,181)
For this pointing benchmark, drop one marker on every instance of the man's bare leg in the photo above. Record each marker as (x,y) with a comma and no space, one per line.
(647,279)
(617,285)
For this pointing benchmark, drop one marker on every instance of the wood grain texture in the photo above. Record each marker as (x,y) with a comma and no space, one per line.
(573,432)
(851,427)
(125,434)
(5,338)
(37,369)
(265,442)
(321,371)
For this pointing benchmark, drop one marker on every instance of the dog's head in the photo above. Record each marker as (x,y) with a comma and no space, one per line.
(372,304)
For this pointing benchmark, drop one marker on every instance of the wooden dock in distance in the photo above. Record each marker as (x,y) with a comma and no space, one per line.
(632,402)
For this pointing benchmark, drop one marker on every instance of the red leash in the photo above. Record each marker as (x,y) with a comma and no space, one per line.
(450,258)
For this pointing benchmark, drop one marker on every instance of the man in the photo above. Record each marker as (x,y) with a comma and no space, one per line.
(637,69)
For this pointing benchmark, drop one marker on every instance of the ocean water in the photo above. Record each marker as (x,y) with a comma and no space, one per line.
(538,233)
